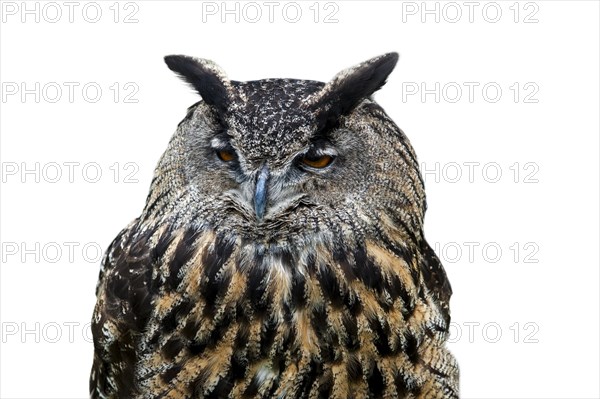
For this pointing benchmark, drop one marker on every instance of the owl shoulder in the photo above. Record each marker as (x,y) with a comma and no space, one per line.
(124,288)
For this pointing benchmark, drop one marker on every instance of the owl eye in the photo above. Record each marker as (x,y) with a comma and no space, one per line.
(317,161)
(225,155)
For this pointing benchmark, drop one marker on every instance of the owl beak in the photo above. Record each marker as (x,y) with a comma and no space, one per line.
(260,193)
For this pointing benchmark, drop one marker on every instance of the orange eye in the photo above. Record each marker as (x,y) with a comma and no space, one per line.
(318,162)
(225,156)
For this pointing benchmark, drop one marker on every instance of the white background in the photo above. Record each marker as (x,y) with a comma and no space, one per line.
(525,320)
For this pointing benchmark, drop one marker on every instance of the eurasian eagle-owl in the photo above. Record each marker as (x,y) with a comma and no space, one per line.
(280,253)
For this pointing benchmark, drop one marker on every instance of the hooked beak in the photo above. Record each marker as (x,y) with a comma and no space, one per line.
(260,193)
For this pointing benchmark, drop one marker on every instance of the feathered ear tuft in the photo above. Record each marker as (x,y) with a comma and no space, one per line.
(206,77)
(350,86)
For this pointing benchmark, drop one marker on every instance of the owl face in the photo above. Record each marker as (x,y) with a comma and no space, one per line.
(275,157)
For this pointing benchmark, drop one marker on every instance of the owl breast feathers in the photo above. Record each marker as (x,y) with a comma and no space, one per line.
(280,253)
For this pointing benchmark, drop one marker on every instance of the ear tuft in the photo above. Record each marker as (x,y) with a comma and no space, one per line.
(206,77)
(351,86)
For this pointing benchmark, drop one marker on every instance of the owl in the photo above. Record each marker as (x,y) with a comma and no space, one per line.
(280,253)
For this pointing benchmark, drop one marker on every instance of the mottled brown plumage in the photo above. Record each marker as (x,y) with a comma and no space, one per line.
(280,253)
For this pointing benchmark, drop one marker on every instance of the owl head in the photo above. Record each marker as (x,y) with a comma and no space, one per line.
(281,158)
